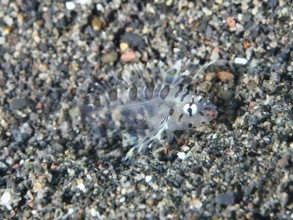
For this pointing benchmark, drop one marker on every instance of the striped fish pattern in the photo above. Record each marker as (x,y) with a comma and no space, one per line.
(148,105)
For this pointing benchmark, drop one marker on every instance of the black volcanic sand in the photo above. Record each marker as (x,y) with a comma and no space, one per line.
(51,162)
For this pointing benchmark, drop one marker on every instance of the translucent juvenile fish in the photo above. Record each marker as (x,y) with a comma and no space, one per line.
(149,104)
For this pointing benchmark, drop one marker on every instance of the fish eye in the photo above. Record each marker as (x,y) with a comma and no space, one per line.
(199,99)
(190,109)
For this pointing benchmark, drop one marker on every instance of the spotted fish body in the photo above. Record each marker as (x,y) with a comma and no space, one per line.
(150,103)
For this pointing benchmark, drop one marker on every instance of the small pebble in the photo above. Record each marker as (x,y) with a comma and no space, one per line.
(4,123)
(148,178)
(37,187)
(70,5)
(219,2)
(8,20)
(273,44)
(36,37)
(181,155)
(132,39)
(207,11)
(169,2)
(210,76)
(110,57)
(5,200)
(98,23)
(83,2)
(6,30)
(3,168)
(128,56)
(283,162)
(39,106)
(239,60)
(20,19)
(225,94)
(123,47)
(230,22)
(18,103)
(246,44)
(225,199)
(249,53)
(2,40)
(185,148)
(195,203)
(81,185)
(215,53)
(225,76)
(239,28)
(100,7)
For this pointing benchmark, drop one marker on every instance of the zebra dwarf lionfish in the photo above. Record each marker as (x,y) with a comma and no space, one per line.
(149,104)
